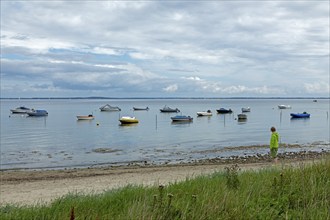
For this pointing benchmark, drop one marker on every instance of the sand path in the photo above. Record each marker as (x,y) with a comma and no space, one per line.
(33,187)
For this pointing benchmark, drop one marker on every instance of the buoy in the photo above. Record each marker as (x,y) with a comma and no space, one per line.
(97,124)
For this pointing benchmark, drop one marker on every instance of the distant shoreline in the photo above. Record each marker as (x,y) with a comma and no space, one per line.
(153,98)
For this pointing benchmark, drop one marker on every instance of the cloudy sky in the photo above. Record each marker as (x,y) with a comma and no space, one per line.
(164,48)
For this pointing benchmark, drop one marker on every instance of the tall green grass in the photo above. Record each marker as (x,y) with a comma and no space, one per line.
(302,192)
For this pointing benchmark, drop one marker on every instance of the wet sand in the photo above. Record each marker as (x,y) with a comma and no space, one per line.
(30,187)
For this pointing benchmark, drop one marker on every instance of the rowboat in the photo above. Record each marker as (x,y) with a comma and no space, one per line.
(128,120)
(300,115)
(140,109)
(207,113)
(181,118)
(37,112)
(85,117)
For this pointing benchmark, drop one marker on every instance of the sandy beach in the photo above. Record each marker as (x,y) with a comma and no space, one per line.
(30,187)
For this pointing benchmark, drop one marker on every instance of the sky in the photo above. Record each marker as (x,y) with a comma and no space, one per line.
(165,48)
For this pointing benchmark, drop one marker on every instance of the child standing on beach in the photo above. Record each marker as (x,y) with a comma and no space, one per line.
(274,139)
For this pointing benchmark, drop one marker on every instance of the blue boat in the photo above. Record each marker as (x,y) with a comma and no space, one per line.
(37,113)
(300,115)
(181,118)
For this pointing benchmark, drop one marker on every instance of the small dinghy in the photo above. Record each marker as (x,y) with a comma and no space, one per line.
(128,120)
(300,115)
(85,117)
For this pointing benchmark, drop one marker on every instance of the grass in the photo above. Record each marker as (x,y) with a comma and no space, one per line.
(302,192)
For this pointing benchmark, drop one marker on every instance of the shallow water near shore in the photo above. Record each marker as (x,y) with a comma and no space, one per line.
(60,140)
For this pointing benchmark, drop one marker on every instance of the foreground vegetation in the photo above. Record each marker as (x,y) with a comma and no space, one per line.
(291,193)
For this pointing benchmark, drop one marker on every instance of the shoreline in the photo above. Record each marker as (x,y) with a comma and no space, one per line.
(32,187)
(226,154)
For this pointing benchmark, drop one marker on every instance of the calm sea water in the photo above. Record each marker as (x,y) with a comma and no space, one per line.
(59,140)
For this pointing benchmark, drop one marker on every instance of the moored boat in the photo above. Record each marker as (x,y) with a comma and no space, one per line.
(300,115)
(181,118)
(140,109)
(168,109)
(109,108)
(224,111)
(246,109)
(85,117)
(242,116)
(128,120)
(284,106)
(37,112)
(206,113)
(20,110)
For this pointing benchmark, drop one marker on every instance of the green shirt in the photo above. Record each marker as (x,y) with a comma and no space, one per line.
(274,140)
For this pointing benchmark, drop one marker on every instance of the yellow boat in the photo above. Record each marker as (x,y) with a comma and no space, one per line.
(128,120)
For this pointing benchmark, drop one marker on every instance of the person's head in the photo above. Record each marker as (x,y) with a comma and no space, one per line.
(272,129)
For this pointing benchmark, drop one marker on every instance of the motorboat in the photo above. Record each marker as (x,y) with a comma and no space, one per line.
(128,120)
(140,109)
(246,109)
(242,116)
(206,113)
(109,108)
(181,118)
(224,111)
(168,109)
(20,110)
(37,112)
(85,117)
(284,106)
(300,115)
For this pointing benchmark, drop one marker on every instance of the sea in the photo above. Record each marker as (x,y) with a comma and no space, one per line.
(60,141)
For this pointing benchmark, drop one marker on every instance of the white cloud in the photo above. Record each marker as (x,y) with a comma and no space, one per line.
(318,87)
(222,47)
(171,88)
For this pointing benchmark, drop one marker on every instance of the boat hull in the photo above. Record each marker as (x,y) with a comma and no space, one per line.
(242,116)
(246,109)
(300,115)
(37,113)
(20,110)
(169,110)
(140,109)
(224,111)
(284,106)
(181,118)
(204,113)
(128,120)
(85,117)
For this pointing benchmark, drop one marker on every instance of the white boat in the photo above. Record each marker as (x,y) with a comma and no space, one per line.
(109,108)
(20,110)
(85,117)
(284,106)
(128,120)
(207,113)
(37,112)
(246,109)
